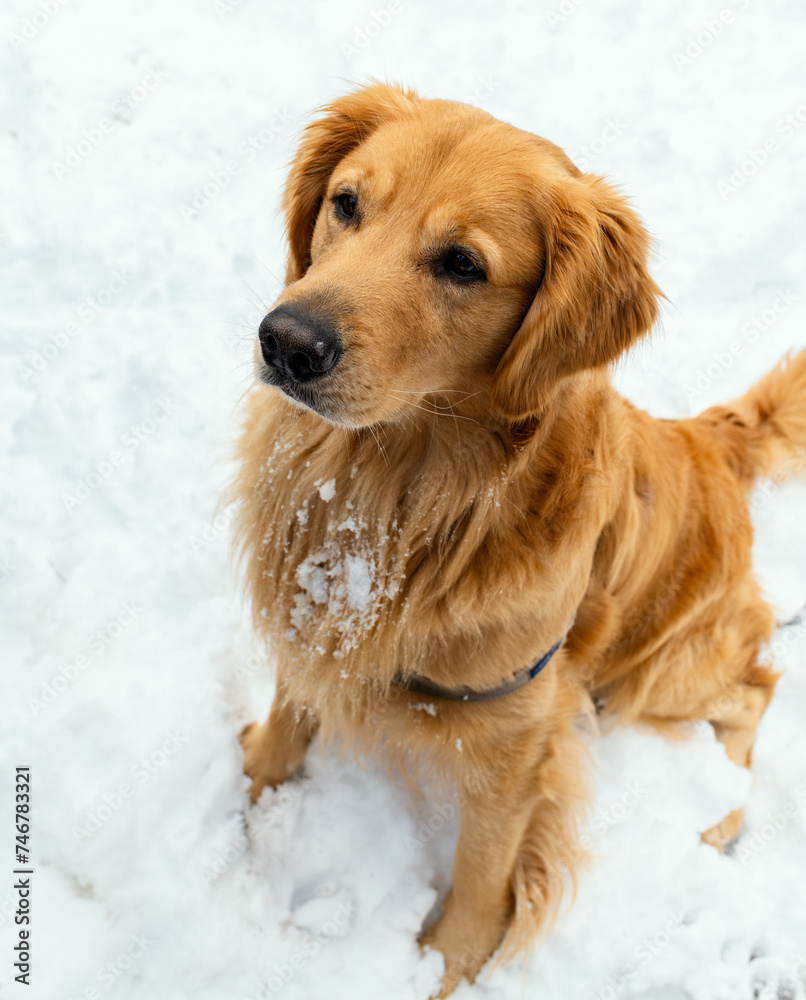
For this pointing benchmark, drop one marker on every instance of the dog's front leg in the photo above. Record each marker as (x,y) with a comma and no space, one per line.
(478,908)
(274,750)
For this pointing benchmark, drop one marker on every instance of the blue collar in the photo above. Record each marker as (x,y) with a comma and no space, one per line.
(422,685)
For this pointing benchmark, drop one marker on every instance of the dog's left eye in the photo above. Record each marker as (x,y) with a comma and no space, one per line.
(460,265)
(345,205)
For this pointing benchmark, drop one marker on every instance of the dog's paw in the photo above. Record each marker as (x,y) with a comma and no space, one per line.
(458,966)
(256,762)
(465,944)
(725,832)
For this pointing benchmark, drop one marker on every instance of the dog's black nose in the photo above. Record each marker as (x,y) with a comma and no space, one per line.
(298,345)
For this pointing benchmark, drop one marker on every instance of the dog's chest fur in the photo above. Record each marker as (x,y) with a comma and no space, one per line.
(350,548)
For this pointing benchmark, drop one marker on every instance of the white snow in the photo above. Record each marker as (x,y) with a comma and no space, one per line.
(313,576)
(143,152)
(328,490)
(341,580)
(360,574)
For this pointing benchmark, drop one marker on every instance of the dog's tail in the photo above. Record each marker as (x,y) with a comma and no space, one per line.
(763,433)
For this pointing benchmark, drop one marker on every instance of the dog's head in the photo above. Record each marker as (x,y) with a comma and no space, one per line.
(435,249)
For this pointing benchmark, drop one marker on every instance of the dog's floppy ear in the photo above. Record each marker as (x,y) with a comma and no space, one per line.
(339,128)
(595,299)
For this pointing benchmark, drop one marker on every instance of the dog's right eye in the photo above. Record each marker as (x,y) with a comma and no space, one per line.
(460,266)
(345,205)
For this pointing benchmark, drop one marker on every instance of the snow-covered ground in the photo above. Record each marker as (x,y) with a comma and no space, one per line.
(143,150)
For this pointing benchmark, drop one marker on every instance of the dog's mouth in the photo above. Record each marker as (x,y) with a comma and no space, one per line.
(304,394)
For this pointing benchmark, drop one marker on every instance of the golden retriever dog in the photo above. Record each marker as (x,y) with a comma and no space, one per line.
(443,502)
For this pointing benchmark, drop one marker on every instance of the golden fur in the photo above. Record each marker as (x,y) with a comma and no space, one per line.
(491,488)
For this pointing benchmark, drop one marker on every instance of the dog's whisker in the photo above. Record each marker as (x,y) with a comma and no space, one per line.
(243,279)
(257,305)
(439,412)
(456,424)
(439,392)
(268,269)
(426,392)
(380,446)
(347,436)
(229,322)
